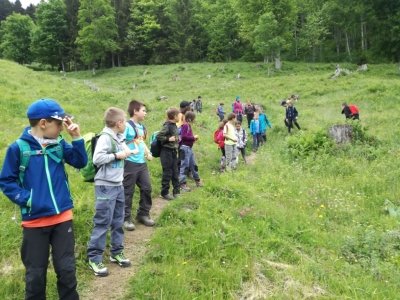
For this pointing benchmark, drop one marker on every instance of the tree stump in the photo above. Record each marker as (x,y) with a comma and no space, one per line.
(341,133)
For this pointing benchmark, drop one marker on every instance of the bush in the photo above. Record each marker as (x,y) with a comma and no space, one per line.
(307,144)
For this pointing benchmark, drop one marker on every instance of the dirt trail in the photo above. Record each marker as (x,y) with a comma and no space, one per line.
(113,286)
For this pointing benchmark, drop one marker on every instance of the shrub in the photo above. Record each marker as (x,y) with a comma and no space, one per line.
(306,144)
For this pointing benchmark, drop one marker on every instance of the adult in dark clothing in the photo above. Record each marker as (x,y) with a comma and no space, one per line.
(291,116)
(249,110)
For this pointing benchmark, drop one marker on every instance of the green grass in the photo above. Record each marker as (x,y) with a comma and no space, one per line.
(309,225)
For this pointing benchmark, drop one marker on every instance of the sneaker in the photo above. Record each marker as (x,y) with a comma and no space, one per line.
(167,197)
(184,187)
(199,183)
(176,195)
(98,268)
(145,220)
(128,225)
(121,260)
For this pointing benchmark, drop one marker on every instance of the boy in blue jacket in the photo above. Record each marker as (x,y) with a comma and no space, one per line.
(39,186)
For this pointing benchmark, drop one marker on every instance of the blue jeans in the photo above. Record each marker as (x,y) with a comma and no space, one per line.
(256,140)
(110,202)
(188,163)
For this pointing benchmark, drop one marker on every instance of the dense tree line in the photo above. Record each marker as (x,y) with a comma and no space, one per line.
(76,34)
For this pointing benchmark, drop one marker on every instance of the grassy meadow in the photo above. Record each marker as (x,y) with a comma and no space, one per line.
(308,219)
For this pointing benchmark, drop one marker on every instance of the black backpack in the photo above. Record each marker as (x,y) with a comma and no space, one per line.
(155,145)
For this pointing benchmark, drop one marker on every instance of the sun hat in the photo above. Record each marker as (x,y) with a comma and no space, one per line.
(45,109)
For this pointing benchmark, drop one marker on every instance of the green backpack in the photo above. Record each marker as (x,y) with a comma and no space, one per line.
(25,153)
(89,171)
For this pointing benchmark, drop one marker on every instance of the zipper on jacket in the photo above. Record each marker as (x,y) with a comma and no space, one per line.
(46,163)
(30,202)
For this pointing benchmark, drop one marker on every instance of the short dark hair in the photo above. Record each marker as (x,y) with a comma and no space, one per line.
(190,116)
(172,113)
(134,105)
(238,123)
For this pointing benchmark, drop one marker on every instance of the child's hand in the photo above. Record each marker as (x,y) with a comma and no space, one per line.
(134,151)
(122,154)
(72,128)
(149,156)
(172,139)
(196,137)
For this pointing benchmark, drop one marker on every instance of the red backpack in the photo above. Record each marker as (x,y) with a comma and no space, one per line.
(353,109)
(219,138)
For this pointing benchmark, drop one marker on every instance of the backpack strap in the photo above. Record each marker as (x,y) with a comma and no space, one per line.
(113,144)
(25,153)
(130,122)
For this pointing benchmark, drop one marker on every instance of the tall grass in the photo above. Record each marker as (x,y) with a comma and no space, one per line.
(289,226)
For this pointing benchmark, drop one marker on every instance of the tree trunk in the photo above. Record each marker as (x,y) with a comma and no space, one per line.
(296,42)
(278,62)
(63,66)
(313,54)
(119,60)
(363,35)
(337,41)
(347,45)
(112,60)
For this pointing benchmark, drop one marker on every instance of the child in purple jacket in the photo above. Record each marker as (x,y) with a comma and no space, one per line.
(188,162)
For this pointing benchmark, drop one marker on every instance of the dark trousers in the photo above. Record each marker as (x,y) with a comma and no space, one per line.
(170,172)
(243,152)
(35,252)
(249,118)
(290,123)
(137,174)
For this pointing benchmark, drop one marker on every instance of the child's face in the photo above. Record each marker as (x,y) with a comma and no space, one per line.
(141,113)
(121,125)
(238,126)
(51,129)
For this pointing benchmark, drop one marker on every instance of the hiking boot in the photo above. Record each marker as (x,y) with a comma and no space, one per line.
(98,268)
(199,183)
(167,197)
(184,187)
(128,225)
(145,220)
(121,260)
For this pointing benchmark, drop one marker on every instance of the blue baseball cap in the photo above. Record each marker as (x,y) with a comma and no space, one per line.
(45,109)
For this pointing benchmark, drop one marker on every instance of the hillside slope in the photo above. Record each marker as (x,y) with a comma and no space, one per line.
(314,225)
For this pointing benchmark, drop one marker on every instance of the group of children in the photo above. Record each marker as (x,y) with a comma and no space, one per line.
(34,178)
(231,137)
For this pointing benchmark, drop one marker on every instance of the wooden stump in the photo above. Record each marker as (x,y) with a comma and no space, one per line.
(341,133)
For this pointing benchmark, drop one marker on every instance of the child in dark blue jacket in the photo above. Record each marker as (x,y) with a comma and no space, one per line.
(291,116)
(40,188)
